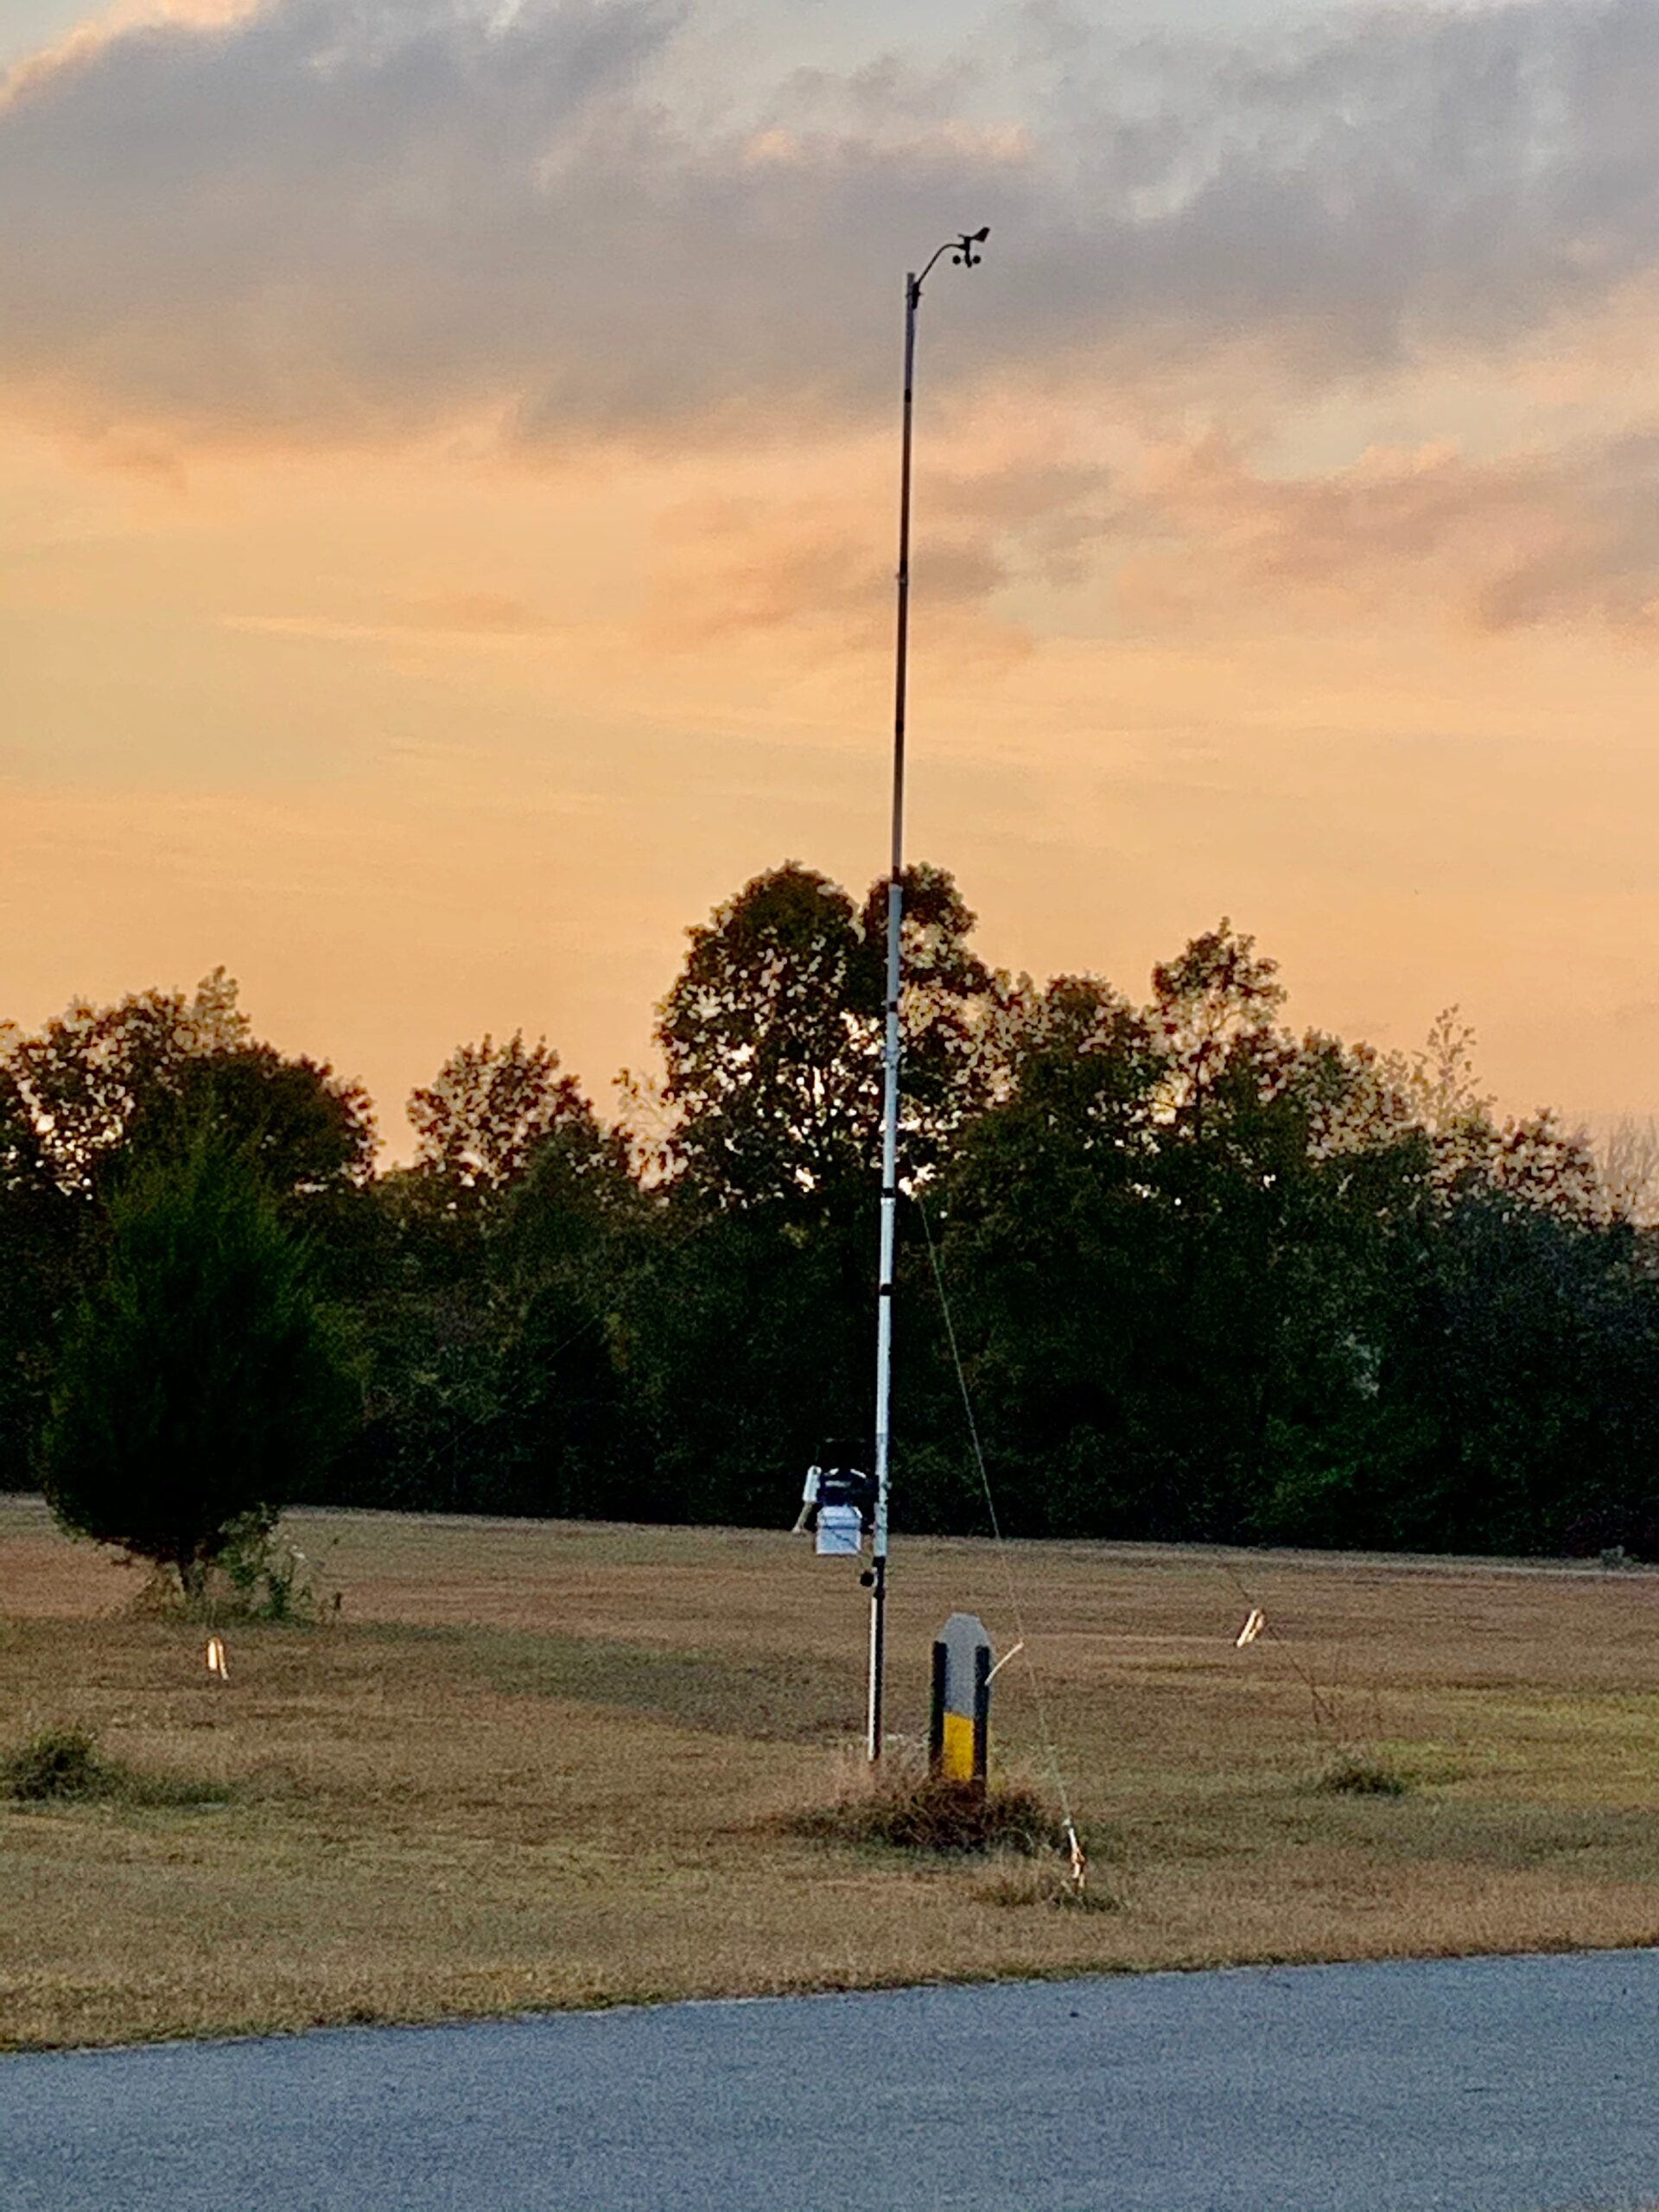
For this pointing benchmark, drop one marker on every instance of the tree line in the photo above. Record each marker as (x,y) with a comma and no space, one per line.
(1208,1277)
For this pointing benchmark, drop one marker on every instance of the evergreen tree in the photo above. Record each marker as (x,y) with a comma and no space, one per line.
(197,1381)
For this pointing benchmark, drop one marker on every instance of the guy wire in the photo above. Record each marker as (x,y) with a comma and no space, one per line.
(1079,1860)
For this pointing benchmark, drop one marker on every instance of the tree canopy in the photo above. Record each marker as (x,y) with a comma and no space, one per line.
(772,1036)
(1210,1276)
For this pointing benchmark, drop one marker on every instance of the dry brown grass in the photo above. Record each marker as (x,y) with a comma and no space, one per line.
(545,1764)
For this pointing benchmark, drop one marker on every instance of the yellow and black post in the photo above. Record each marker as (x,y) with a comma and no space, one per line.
(959,1739)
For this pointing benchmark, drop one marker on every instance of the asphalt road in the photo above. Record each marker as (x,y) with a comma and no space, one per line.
(1496,2085)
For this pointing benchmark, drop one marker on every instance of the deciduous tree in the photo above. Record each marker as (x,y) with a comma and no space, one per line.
(480,1121)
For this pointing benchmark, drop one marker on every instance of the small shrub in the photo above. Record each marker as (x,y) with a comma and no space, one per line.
(255,1577)
(62,1765)
(56,1762)
(1360,1777)
(912,1811)
(270,1580)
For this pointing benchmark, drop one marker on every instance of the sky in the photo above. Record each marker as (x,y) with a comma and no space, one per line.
(448,470)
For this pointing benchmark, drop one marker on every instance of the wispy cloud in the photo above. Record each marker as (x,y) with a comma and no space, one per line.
(812,562)
(1565,537)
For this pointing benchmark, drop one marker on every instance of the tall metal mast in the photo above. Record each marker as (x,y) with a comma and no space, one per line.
(961,251)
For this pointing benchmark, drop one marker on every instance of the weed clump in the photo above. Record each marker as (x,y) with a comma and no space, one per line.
(907,1811)
(255,1577)
(61,1763)
(1360,1777)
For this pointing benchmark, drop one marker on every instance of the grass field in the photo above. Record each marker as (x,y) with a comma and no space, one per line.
(542,1764)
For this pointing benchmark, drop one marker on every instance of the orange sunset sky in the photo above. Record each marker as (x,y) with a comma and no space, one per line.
(448,462)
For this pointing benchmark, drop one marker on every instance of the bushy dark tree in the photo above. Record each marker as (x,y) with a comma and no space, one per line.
(1215,1280)
(86,1073)
(490,1331)
(480,1121)
(197,1385)
(745,1345)
(98,1082)
(758,1342)
(96,1089)
(765,1039)
(571,1255)
(1047,1247)
(1514,1406)
(41,1230)
(773,1039)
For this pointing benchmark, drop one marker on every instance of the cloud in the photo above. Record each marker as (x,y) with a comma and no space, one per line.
(353,219)
(1566,537)
(817,561)
(90,37)
(755,566)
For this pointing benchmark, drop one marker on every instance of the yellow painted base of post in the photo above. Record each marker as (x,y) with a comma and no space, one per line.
(958,1762)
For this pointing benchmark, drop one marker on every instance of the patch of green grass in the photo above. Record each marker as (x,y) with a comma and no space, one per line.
(62,1765)
(167,1792)
(55,1764)
(1046,1882)
(1361,1777)
(1608,1842)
